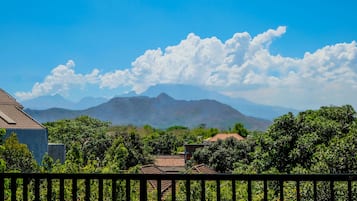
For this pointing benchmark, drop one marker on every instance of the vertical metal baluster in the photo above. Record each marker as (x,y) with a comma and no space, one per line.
(127,189)
(234,195)
(203,190)
(25,188)
(143,190)
(49,189)
(114,189)
(265,190)
(37,189)
(61,189)
(298,190)
(173,190)
(218,187)
(13,188)
(159,190)
(100,189)
(349,190)
(87,184)
(281,190)
(249,190)
(315,190)
(188,190)
(332,191)
(74,189)
(2,188)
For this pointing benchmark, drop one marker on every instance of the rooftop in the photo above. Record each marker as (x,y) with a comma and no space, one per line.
(224,136)
(12,115)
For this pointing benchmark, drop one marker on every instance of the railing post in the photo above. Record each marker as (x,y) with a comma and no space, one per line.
(349,190)
(37,188)
(74,189)
(218,189)
(203,190)
(143,189)
(173,189)
(188,190)
(249,190)
(25,188)
(13,188)
(49,189)
(315,190)
(127,189)
(265,190)
(332,191)
(234,195)
(159,190)
(114,189)
(2,188)
(298,190)
(281,190)
(100,190)
(87,184)
(62,189)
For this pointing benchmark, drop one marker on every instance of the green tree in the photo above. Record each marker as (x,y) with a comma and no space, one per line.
(240,129)
(17,156)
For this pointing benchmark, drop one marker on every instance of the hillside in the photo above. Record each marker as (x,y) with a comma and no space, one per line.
(162,111)
(249,108)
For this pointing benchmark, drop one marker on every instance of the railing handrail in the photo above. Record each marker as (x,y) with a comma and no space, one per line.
(144,179)
(253,177)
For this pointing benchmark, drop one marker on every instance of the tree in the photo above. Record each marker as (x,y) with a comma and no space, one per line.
(17,156)
(239,128)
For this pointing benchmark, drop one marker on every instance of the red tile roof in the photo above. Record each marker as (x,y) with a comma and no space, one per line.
(152,169)
(202,169)
(169,161)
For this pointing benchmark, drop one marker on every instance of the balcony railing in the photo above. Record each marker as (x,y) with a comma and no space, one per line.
(38,186)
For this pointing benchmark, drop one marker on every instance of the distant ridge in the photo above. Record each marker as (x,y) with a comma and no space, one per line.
(162,111)
(57,101)
(188,92)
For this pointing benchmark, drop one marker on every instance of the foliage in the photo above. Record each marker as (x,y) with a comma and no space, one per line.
(17,156)
(313,141)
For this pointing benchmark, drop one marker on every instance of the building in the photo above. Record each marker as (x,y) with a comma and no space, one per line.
(224,136)
(170,163)
(28,130)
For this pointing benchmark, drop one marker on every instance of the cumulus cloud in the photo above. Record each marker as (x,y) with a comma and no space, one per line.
(240,66)
(60,81)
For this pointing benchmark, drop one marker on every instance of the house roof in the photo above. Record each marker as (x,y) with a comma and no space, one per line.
(7,99)
(202,169)
(224,136)
(152,169)
(169,161)
(12,115)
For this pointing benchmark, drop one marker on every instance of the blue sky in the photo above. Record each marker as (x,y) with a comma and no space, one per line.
(297,54)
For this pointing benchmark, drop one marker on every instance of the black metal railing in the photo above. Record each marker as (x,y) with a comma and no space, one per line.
(39,186)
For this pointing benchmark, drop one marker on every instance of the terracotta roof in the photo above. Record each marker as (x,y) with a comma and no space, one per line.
(12,116)
(202,169)
(170,161)
(152,169)
(224,136)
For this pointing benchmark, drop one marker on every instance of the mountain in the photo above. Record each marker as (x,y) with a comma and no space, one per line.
(188,92)
(162,111)
(57,101)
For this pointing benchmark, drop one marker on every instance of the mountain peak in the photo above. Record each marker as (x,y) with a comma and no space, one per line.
(164,96)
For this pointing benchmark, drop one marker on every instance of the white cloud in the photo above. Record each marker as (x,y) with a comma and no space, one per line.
(241,66)
(60,81)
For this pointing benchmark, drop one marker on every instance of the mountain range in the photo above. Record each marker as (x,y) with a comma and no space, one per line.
(176,91)
(161,111)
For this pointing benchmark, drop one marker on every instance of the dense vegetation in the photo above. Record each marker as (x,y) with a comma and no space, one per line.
(313,141)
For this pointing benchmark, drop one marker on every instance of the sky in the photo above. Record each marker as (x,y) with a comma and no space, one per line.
(299,54)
